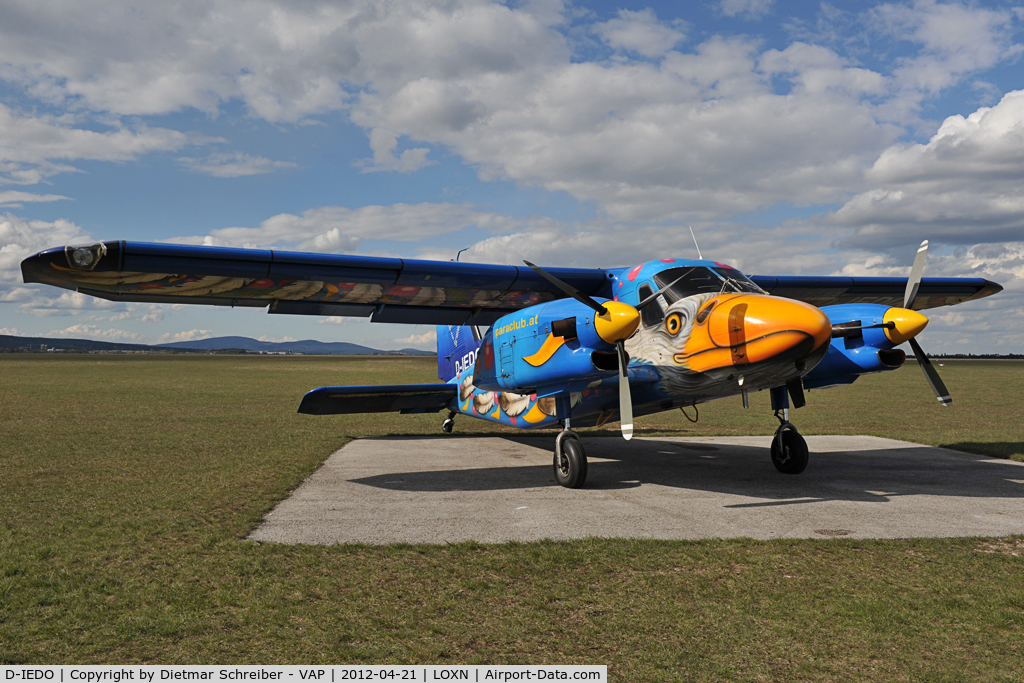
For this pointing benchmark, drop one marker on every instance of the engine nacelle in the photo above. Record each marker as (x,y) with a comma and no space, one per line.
(551,347)
(858,351)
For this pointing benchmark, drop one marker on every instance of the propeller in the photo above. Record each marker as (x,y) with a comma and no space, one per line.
(913,285)
(569,289)
(586,300)
(629,318)
(625,399)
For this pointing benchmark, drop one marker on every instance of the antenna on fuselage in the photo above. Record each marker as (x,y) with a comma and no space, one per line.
(695,243)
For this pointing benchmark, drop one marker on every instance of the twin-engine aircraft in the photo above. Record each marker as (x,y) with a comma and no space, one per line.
(569,347)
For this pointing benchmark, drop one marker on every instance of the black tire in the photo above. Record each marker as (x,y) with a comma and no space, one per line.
(789,450)
(571,465)
(447,426)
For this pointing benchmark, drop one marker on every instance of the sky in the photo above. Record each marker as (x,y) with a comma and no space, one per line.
(794,137)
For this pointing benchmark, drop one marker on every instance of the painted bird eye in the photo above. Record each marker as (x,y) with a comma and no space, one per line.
(673,324)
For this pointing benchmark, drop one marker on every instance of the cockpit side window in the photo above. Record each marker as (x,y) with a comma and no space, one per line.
(701,280)
(651,314)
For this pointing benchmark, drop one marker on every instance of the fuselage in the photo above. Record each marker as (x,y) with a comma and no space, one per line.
(711,334)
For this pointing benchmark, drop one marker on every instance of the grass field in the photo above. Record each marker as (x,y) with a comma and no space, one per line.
(130,482)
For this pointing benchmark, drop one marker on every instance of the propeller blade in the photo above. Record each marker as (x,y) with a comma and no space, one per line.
(931,374)
(914,282)
(625,400)
(640,306)
(569,289)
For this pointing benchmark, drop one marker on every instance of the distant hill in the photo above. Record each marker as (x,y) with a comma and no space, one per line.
(308,346)
(304,346)
(34,343)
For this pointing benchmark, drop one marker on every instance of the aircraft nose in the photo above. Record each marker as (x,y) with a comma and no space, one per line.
(752,328)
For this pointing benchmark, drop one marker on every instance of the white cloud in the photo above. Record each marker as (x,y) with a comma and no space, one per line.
(82,330)
(422,341)
(748,9)
(383,144)
(699,134)
(39,304)
(234,165)
(10,331)
(640,32)
(961,187)
(15,198)
(143,313)
(89,331)
(338,229)
(988,144)
(954,38)
(814,69)
(32,147)
(703,132)
(187,335)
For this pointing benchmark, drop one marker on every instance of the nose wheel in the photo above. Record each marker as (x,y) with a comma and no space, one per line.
(570,460)
(789,450)
(449,423)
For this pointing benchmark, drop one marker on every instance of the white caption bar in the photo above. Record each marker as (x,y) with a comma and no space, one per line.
(338,673)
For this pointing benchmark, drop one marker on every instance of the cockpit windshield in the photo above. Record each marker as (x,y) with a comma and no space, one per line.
(701,280)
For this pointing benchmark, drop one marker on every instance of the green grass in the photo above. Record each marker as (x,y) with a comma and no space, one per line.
(129,483)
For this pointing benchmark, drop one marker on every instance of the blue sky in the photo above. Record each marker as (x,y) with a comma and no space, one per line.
(806,138)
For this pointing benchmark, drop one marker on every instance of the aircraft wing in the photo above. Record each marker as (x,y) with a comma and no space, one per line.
(391,290)
(827,291)
(394,290)
(387,398)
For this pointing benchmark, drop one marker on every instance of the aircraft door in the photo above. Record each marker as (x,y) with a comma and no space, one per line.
(506,360)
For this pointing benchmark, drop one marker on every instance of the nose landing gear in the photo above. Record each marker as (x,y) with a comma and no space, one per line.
(789,449)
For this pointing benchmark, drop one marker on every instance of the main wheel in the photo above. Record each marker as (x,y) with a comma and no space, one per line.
(789,450)
(447,426)
(571,463)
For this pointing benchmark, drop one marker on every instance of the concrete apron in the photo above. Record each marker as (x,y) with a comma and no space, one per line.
(494,489)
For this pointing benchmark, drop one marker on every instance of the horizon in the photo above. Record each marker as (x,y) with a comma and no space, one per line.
(910,357)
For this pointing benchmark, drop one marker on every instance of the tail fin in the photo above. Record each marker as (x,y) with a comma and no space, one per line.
(456,350)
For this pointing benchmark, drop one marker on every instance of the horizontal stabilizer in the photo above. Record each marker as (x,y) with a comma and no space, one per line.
(386,398)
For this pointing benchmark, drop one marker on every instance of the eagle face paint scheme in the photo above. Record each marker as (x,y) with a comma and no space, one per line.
(700,347)
(531,347)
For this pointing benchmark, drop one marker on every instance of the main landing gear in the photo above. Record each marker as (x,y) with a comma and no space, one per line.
(789,450)
(570,459)
(449,422)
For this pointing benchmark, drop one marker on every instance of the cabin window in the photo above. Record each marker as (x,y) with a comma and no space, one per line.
(652,314)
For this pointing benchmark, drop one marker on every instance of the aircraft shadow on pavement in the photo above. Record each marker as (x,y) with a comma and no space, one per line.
(863,475)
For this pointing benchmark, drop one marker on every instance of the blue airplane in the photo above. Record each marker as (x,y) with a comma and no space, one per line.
(569,347)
